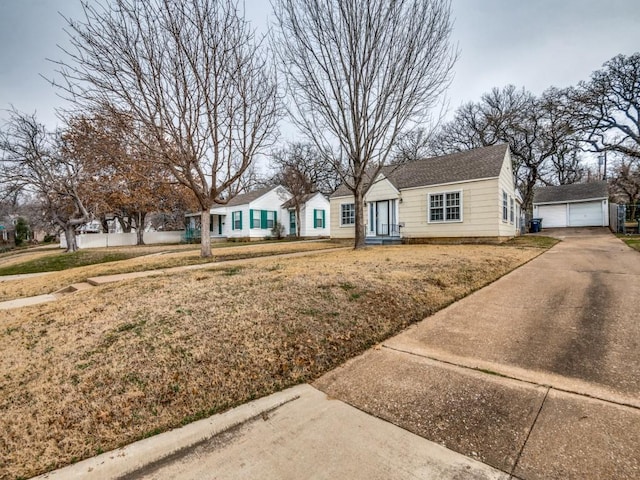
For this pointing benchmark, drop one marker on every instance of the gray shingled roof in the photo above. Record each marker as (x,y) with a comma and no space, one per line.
(484,162)
(304,199)
(571,193)
(248,197)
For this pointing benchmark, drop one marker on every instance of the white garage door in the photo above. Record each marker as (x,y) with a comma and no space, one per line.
(587,214)
(553,216)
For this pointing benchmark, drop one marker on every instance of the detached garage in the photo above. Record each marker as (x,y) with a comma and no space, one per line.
(577,205)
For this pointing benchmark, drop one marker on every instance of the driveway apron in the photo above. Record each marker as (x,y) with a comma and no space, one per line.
(537,374)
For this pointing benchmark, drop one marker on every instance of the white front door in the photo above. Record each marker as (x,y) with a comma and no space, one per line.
(382,218)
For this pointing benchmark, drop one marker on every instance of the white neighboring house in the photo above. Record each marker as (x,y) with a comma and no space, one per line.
(575,205)
(470,195)
(253,215)
(314,216)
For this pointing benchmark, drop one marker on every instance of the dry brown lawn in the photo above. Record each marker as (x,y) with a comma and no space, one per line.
(104,367)
(155,258)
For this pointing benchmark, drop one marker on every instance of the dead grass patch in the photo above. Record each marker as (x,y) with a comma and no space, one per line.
(186,255)
(108,366)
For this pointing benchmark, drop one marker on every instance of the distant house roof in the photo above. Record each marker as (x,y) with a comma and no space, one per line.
(571,193)
(484,162)
(248,197)
(304,199)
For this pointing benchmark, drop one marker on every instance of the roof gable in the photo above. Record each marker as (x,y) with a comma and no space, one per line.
(246,198)
(479,163)
(571,193)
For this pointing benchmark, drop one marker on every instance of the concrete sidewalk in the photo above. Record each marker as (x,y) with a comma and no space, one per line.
(294,434)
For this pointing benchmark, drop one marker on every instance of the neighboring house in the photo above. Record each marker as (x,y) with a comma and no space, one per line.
(468,195)
(576,205)
(253,215)
(314,216)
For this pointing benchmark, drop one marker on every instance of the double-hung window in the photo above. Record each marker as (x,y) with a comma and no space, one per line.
(347,214)
(236,220)
(318,218)
(512,212)
(445,207)
(505,207)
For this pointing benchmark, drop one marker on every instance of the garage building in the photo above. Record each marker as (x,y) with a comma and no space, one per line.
(576,205)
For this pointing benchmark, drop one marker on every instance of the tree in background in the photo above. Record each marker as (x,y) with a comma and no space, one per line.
(37,164)
(300,169)
(22,231)
(190,75)
(125,182)
(359,73)
(540,132)
(607,107)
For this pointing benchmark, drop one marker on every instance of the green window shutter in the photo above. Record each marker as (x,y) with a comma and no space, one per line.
(315,218)
(323,219)
(211,223)
(233,220)
(263,219)
(275,217)
(251,218)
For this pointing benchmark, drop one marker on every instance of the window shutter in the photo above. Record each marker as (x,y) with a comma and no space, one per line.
(323,218)
(251,218)
(233,220)
(315,218)
(263,219)
(240,213)
(275,218)
(211,223)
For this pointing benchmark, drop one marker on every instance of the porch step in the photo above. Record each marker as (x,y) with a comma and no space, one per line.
(383,241)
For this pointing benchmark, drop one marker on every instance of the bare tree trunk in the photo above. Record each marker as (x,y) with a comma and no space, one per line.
(205,236)
(359,214)
(140,228)
(70,236)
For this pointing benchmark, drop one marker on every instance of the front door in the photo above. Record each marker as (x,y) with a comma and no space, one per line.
(292,223)
(382,218)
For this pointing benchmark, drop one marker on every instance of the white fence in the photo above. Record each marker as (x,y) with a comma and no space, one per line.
(102,240)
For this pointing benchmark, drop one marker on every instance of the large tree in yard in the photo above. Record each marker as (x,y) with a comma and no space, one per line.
(360,72)
(38,164)
(191,75)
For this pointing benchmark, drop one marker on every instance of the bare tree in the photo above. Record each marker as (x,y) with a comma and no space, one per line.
(300,169)
(359,73)
(38,163)
(192,76)
(608,106)
(540,133)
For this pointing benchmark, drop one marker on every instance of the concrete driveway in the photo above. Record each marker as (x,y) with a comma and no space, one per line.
(537,374)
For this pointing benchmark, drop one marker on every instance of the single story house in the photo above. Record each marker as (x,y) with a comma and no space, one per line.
(314,216)
(575,205)
(253,215)
(470,195)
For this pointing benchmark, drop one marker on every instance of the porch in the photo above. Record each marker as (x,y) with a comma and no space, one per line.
(382,225)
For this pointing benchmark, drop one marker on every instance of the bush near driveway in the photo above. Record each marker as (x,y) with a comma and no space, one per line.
(106,367)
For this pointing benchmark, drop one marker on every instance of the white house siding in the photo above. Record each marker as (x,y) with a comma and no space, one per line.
(479,213)
(307,224)
(270,201)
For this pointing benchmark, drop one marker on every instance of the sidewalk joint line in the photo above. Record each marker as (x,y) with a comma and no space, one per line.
(535,420)
(510,377)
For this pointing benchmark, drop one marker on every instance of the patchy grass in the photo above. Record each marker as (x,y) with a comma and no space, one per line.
(533,241)
(145,260)
(107,366)
(633,241)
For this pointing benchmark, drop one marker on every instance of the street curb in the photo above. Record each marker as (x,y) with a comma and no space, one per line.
(144,453)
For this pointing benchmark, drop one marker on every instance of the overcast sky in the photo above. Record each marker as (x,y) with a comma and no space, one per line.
(529,43)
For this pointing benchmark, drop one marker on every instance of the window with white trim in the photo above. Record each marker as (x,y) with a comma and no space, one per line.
(318,218)
(271,215)
(505,207)
(347,214)
(512,210)
(445,207)
(236,220)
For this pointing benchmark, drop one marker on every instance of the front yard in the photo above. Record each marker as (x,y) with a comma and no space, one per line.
(105,367)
